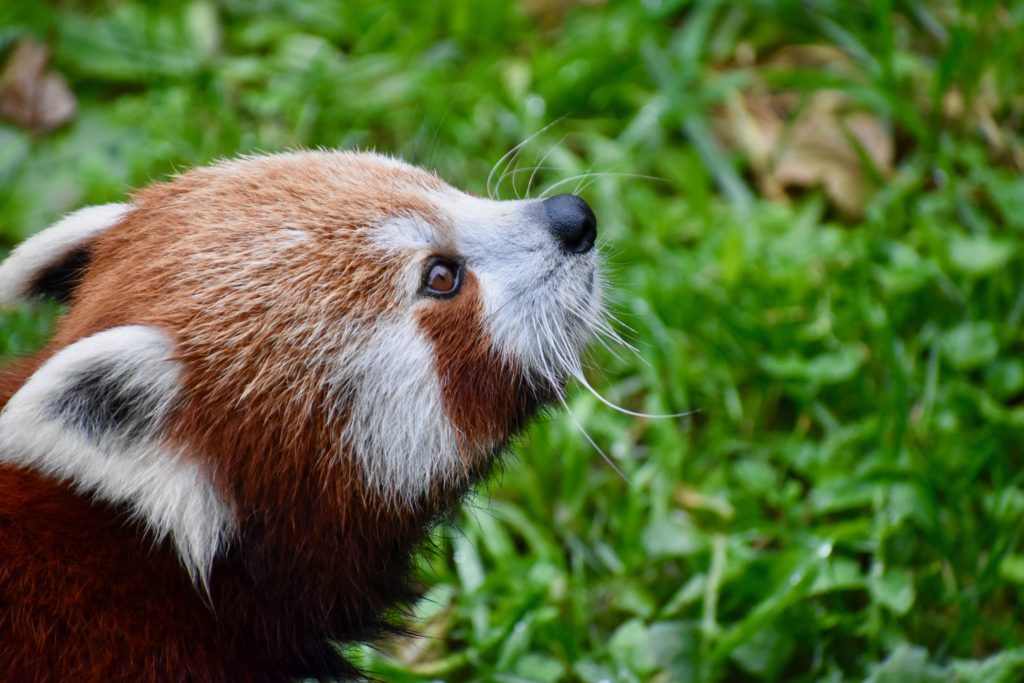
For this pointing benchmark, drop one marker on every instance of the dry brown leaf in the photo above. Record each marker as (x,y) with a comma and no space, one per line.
(31,95)
(817,150)
(819,144)
(796,141)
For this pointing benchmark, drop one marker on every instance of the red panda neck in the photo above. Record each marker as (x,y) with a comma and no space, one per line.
(317,554)
(87,562)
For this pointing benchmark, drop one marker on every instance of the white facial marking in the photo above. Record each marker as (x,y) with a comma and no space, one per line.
(541,305)
(48,248)
(92,415)
(397,428)
(404,234)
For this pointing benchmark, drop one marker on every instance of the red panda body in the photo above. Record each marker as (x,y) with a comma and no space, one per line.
(275,375)
(87,598)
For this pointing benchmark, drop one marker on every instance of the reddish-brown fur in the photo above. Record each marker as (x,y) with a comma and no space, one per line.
(85,594)
(478,385)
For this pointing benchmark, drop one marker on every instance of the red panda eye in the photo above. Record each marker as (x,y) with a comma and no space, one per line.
(441,278)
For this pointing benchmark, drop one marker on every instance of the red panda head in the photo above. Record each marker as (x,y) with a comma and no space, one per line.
(297,337)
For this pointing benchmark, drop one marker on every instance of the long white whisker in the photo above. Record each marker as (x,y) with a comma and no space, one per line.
(588,183)
(593,443)
(563,181)
(583,179)
(618,321)
(494,169)
(583,380)
(510,156)
(615,337)
(601,330)
(529,183)
(608,347)
(514,165)
(531,169)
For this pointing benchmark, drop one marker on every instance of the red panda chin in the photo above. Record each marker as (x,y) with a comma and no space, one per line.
(255,409)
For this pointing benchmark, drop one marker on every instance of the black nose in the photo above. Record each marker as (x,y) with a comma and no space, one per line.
(572,222)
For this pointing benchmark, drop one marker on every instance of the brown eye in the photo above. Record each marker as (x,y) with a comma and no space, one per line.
(441,278)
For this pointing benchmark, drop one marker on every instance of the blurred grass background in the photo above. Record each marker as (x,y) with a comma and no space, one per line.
(825,262)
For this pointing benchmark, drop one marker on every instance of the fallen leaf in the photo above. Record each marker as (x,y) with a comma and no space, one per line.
(31,95)
(796,141)
(821,149)
(823,144)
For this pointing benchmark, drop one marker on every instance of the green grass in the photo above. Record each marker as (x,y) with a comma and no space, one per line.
(847,502)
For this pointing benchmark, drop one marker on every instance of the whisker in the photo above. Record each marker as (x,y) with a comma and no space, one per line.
(615,319)
(616,338)
(532,169)
(510,156)
(540,163)
(588,183)
(619,339)
(494,169)
(514,165)
(583,380)
(593,443)
(589,172)
(558,184)
(608,347)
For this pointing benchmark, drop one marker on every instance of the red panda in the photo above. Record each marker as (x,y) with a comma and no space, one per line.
(274,376)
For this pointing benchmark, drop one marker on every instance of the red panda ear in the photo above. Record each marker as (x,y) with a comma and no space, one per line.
(49,264)
(94,416)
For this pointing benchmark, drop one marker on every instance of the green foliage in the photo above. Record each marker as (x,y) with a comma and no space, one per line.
(846,502)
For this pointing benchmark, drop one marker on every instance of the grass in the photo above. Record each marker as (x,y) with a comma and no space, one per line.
(846,504)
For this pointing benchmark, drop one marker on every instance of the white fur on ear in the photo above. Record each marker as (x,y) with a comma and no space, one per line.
(93,415)
(23,274)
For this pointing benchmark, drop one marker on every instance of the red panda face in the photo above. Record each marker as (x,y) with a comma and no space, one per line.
(343,322)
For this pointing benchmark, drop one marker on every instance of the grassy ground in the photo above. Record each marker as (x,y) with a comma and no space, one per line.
(838,289)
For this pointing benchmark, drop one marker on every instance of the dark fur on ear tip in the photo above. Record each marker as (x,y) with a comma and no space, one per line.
(98,402)
(58,282)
